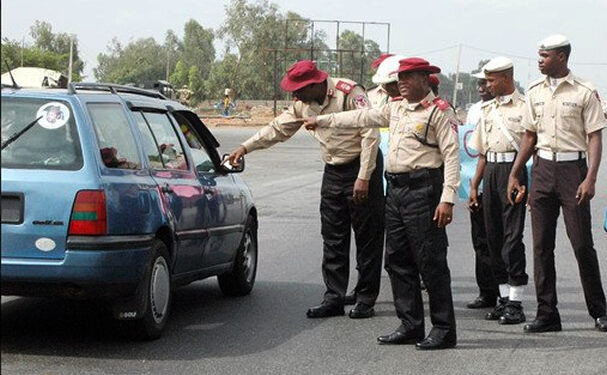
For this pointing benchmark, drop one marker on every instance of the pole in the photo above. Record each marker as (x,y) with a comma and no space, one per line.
(459,54)
(69,69)
(362,58)
(22,48)
(168,59)
(275,80)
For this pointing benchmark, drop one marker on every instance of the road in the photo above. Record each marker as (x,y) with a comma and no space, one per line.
(268,333)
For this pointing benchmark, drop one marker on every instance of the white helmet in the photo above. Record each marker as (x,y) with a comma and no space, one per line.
(387,70)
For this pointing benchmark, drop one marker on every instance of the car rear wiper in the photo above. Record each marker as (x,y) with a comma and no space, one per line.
(18,134)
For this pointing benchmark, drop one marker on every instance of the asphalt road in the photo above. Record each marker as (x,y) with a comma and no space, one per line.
(268,333)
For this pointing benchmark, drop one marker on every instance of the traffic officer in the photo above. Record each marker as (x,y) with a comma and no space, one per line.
(351,192)
(378,94)
(423,176)
(564,122)
(497,137)
(488,290)
(386,79)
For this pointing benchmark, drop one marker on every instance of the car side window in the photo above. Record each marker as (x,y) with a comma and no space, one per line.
(116,142)
(150,147)
(171,151)
(200,156)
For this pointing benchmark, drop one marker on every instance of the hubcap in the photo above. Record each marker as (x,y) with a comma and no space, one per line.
(159,290)
(250,257)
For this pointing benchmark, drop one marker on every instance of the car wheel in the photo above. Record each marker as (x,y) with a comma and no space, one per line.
(158,294)
(240,280)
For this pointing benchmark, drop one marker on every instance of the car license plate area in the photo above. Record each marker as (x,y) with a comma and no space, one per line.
(12,208)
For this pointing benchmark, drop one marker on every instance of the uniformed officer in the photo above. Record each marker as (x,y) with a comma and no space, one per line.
(378,95)
(564,122)
(351,192)
(386,79)
(497,137)
(423,176)
(487,286)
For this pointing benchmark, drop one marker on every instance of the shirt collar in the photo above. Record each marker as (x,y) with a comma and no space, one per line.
(425,102)
(569,78)
(505,99)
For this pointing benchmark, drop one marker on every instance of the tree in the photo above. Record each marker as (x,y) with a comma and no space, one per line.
(140,61)
(49,50)
(356,65)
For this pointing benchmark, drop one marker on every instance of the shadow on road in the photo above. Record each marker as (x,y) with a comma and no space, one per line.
(203,324)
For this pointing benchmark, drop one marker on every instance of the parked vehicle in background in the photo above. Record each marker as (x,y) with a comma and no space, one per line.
(116,193)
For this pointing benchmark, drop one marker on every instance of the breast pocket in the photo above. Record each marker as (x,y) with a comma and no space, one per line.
(571,114)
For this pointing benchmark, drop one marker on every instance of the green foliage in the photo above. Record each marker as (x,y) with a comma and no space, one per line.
(352,65)
(49,50)
(140,61)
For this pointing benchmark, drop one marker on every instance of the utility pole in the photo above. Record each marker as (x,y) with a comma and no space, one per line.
(22,48)
(168,59)
(69,70)
(459,55)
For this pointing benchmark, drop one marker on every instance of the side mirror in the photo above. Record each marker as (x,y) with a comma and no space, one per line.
(229,168)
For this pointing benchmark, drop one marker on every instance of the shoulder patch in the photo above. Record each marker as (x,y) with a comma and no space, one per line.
(344,87)
(360,101)
(441,104)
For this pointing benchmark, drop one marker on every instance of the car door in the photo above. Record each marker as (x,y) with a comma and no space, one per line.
(179,185)
(225,215)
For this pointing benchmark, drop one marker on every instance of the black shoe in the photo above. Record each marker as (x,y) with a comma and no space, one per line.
(435,343)
(402,337)
(601,323)
(482,302)
(498,310)
(513,313)
(361,311)
(325,310)
(543,326)
(350,299)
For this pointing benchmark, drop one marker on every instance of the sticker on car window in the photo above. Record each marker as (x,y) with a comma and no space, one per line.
(53,115)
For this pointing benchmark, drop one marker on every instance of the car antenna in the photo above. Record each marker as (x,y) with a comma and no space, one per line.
(15,85)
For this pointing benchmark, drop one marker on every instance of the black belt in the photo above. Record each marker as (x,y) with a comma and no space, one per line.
(414,177)
(355,163)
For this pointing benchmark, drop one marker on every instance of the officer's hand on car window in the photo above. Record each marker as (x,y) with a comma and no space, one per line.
(310,123)
(361,191)
(236,155)
(443,215)
(585,191)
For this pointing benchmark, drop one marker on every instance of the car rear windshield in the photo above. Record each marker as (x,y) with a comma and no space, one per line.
(39,134)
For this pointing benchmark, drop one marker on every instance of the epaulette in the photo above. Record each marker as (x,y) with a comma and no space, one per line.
(345,87)
(535,83)
(585,84)
(442,104)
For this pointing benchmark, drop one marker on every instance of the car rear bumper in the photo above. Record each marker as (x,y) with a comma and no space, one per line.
(99,267)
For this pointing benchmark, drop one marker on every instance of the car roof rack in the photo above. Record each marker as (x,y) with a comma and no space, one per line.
(113,88)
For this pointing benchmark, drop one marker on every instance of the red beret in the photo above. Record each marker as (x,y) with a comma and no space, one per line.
(433,80)
(301,74)
(375,64)
(416,64)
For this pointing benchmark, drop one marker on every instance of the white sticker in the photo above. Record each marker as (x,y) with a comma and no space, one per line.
(45,244)
(53,115)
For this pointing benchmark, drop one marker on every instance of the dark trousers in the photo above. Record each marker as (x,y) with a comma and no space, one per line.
(482,258)
(504,224)
(338,214)
(554,186)
(415,245)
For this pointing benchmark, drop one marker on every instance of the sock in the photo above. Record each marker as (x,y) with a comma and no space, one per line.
(516,293)
(504,290)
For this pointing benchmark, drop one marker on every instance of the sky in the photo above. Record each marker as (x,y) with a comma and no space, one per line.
(429,29)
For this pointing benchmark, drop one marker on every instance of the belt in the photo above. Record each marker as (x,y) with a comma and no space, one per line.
(500,157)
(561,156)
(413,178)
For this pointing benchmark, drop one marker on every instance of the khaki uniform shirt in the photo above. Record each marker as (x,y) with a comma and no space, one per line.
(406,122)
(498,115)
(562,119)
(338,146)
(378,96)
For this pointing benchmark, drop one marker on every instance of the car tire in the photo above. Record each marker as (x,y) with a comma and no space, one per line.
(158,294)
(240,280)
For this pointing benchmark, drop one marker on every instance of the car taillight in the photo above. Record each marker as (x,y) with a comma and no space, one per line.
(89,213)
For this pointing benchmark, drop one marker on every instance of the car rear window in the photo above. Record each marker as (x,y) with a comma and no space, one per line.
(39,134)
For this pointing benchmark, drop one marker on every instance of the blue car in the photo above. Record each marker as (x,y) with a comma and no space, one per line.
(115,193)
